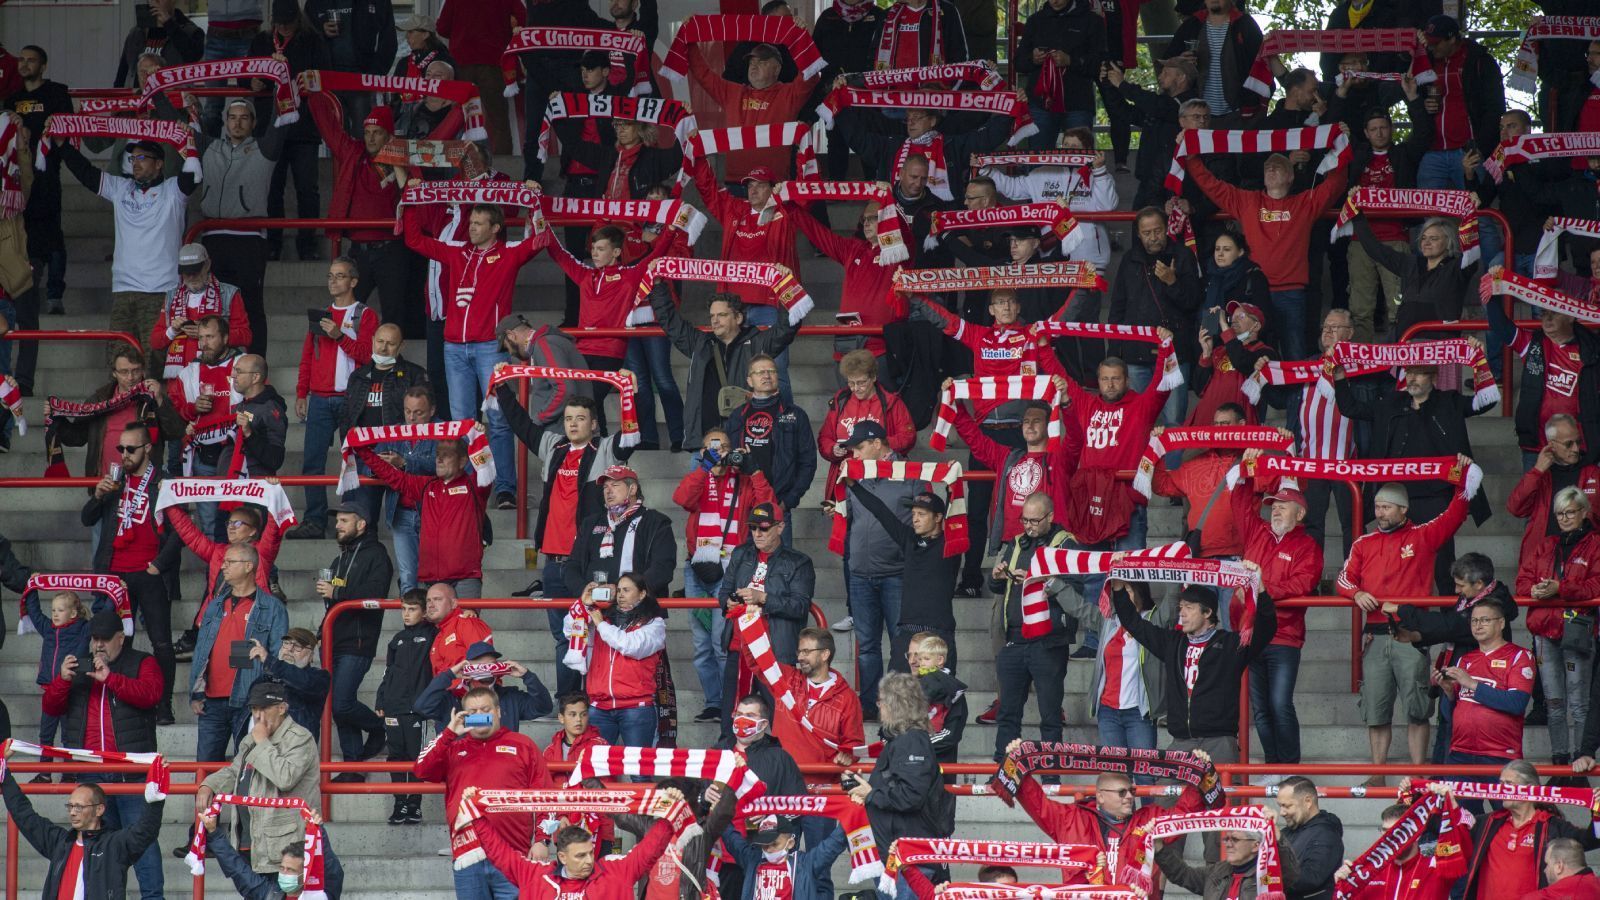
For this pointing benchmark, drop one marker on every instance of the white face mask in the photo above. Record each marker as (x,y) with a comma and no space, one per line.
(382,361)
(772,857)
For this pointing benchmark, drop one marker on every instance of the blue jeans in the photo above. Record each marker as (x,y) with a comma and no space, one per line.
(322,425)
(122,811)
(1126,728)
(1289,322)
(482,881)
(555,586)
(351,717)
(205,514)
(626,727)
(1441,734)
(815,830)
(1272,677)
(405,526)
(875,604)
(1439,169)
(650,359)
(710,654)
(467,368)
(1173,411)
(218,721)
(219,48)
(767,316)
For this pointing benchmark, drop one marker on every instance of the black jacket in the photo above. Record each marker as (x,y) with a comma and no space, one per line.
(253,885)
(908,798)
(793,460)
(847,46)
(1485,93)
(361,571)
(306,50)
(774,766)
(407,669)
(102,512)
(1138,297)
(1443,625)
(950,32)
(134,728)
(372,32)
(394,381)
(653,166)
(791,583)
(307,689)
(601,451)
(655,554)
(1318,848)
(929,581)
(1075,29)
(872,141)
(438,702)
(14,574)
(178,42)
(1425,294)
(107,854)
(1240,47)
(1438,428)
(1526,194)
(1211,709)
(1157,115)
(264,448)
(1404,156)
(1530,391)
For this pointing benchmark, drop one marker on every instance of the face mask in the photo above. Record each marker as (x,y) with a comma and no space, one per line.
(777,857)
(382,361)
(289,884)
(746,727)
(616,510)
(927,670)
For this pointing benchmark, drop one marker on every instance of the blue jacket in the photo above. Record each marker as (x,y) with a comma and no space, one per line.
(805,866)
(71,639)
(268,620)
(307,690)
(439,703)
(253,885)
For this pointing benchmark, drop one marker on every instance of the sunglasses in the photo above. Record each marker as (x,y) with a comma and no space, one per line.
(763,528)
(124,448)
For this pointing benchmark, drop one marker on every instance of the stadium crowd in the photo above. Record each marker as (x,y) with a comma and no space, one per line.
(1243,351)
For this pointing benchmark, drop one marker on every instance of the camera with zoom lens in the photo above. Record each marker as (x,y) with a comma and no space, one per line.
(739,460)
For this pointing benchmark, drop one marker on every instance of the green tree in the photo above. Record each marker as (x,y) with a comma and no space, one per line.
(1485,15)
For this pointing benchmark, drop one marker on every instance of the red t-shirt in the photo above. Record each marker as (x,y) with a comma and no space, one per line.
(1379,173)
(1512,865)
(1022,481)
(758,578)
(1489,732)
(72,873)
(136,547)
(774,881)
(561,522)
(908,40)
(1562,365)
(1589,121)
(219,675)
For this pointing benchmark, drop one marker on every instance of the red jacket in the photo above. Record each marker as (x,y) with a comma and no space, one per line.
(1579,577)
(162,338)
(999,350)
(612,879)
(745,106)
(1115,434)
(745,238)
(1197,480)
(319,354)
(837,717)
(558,751)
(1399,563)
(606,296)
(98,734)
(452,519)
(479,35)
(1279,231)
(456,633)
(359,191)
(1533,496)
(1291,566)
(212,552)
(868,284)
(1582,886)
(884,407)
(1080,823)
(622,675)
(1051,473)
(506,759)
(691,492)
(1423,877)
(478,282)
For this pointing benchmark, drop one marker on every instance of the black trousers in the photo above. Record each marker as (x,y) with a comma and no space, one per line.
(980,496)
(1021,665)
(27,352)
(241,260)
(405,742)
(603,364)
(1318,493)
(147,594)
(385,267)
(300,159)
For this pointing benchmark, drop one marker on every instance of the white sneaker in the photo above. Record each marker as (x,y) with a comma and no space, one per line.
(444,852)
(845,624)
(1270,780)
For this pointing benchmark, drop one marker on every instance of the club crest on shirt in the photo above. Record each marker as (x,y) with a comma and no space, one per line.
(1408,551)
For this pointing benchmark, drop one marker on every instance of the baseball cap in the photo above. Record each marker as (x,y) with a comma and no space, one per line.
(105,624)
(415,22)
(192,255)
(772,828)
(1249,309)
(866,431)
(301,636)
(482,648)
(381,116)
(767,514)
(929,501)
(759,173)
(1286,495)
(613,473)
(1395,493)
(266,692)
(1205,597)
(354,509)
(509,324)
(1441,28)
(1182,65)
(149,148)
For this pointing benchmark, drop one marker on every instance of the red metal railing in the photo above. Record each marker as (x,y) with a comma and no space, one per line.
(70,335)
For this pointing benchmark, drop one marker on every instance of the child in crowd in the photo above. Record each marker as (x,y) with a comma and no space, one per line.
(407,672)
(65,631)
(947,695)
(574,737)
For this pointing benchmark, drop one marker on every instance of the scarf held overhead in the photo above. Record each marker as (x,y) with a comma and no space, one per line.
(542,38)
(1337,41)
(1003,387)
(286,97)
(753,631)
(1529,147)
(1174,765)
(999,103)
(58,412)
(624,385)
(773,276)
(1528,793)
(1240,437)
(1048,562)
(1540,296)
(1525,68)
(464,94)
(590,211)
(1171,374)
(1073,860)
(1420,468)
(781,30)
(173,134)
(955,523)
(725,766)
(157,779)
(1279,373)
(1416,201)
(892,247)
(1074,274)
(1053,218)
(756,137)
(1547,259)
(865,862)
(1282,140)
(600,803)
(980,72)
(109,585)
(1457,352)
(1393,843)
(1139,859)
(314,886)
(469,430)
(272,497)
(650,110)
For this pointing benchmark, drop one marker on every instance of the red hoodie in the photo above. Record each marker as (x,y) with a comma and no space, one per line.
(478,281)
(452,519)
(505,759)
(612,879)
(1081,823)
(745,236)
(360,190)
(559,751)
(868,284)
(1279,230)
(607,295)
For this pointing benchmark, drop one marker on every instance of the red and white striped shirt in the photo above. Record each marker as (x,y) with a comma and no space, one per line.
(1324,432)
(1120,683)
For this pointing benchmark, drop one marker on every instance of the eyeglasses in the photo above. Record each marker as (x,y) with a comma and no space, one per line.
(763,372)
(1028,520)
(234,562)
(127,373)
(805,651)
(238,523)
(1117,792)
(140,157)
(1569,511)
(1235,839)
(79,807)
(339,276)
(1479,620)
(126,449)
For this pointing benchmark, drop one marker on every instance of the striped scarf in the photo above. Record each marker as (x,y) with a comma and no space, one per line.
(1231,437)
(157,779)
(1281,140)
(892,246)
(753,633)
(756,137)
(783,31)
(726,766)
(955,522)
(716,529)
(773,276)
(109,585)
(469,430)
(1417,201)
(11,401)
(12,199)
(1457,352)
(1279,374)
(1530,147)
(626,390)
(613,41)
(1539,296)
(1005,387)
(1337,41)
(649,110)
(1547,259)
(1525,68)
(314,886)
(1049,562)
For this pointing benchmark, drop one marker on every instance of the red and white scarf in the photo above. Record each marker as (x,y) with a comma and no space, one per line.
(314,883)
(464,94)
(889,32)
(1547,259)
(157,779)
(1280,140)
(74,128)
(1416,201)
(1048,562)
(469,193)
(1171,375)
(591,803)
(1139,857)
(1340,79)
(469,430)
(286,97)
(980,72)
(1539,296)
(1529,147)
(892,246)
(576,630)
(1176,765)
(586,211)
(1456,352)
(1588,798)
(1077,860)
(783,31)
(1525,68)
(614,41)
(602,761)
(752,625)
(1217,573)
(487,671)
(422,153)
(1074,273)
(716,529)
(1395,840)
(109,585)
(1052,217)
(58,411)
(111,106)
(956,537)
(1002,387)
(1303,371)
(178,308)
(773,276)
(1417,468)
(865,862)
(966,890)
(11,400)
(623,384)
(655,111)
(1061,159)
(1231,437)
(12,199)
(999,103)
(259,492)
(757,137)
(1337,41)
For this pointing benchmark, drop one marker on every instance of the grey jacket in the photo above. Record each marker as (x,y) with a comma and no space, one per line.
(874,552)
(235,177)
(547,398)
(284,765)
(1212,880)
(1087,612)
(697,345)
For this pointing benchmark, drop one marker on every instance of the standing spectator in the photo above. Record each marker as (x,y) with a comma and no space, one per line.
(831,705)
(218,690)
(197,295)
(1560,374)
(917,33)
(231,28)
(1508,845)
(1236,293)
(1563,567)
(137,547)
(243,525)
(1062,45)
(108,702)
(1234,874)
(778,579)
(292,39)
(1432,281)
(277,759)
(1314,837)
(1396,560)
(1021,662)
(872,137)
(761,100)
(1465,101)
(1127,685)
(202,391)
(361,571)
(34,103)
(423,47)
(1222,42)
(622,538)
(863,399)
(719,499)
(1379,162)
(240,161)
(457,629)
(98,435)
(334,347)
(545,346)
(904,795)
(773,435)
(625,654)
(478,33)
(148,212)
(442,695)
(1157,284)
(581,140)
(846,36)
(1492,687)
(572,739)
(484,757)
(163,29)
(304,683)
(1560,464)
(405,673)
(1278,225)
(376,394)
(451,509)
(766,757)
(868,289)
(1158,115)
(1201,478)
(413,458)
(929,582)
(361,39)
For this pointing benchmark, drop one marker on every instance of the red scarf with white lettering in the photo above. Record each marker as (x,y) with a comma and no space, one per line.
(624,385)
(111,106)
(178,308)
(1171,375)
(1077,861)
(1588,798)
(109,585)
(1217,573)
(286,97)
(1529,147)
(594,803)
(1395,840)
(595,211)
(1457,352)
(1139,855)
(999,103)
(980,72)
(655,111)
(1336,41)
(1208,437)
(464,94)
(865,862)
(781,30)
(1032,756)
(1547,259)
(956,537)
(1281,140)
(614,41)
(1048,562)
(1076,273)
(966,890)
(314,881)
(74,128)
(1005,387)
(58,411)
(1525,68)
(890,33)
(773,276)
(892,247)
(1052,217)
(1417,201)
(602,761)
(157,779)
(469,430)
(1539,296)
(1418,468)
(1280,373)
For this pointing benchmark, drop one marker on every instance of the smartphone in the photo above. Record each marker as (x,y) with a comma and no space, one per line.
(600,595)
(848,318)
(850,781)
(239,655)
(315,316)
(478,720)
